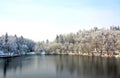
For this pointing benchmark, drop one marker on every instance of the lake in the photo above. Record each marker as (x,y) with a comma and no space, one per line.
(59,66)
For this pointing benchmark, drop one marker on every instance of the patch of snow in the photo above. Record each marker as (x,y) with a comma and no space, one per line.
(2,53)
(31,53)
(42,53)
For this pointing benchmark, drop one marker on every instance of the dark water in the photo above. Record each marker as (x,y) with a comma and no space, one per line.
(59,67)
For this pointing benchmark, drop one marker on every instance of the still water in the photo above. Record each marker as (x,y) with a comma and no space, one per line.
(59,67)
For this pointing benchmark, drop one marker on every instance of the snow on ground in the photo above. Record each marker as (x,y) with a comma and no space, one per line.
(2,53)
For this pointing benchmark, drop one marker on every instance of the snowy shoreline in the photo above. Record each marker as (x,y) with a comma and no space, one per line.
(7,55)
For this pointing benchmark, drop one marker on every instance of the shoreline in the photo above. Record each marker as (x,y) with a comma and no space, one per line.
(87,54)
(74,54)
(98,55)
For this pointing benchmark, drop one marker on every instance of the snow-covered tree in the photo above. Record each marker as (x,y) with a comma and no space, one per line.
(16,45)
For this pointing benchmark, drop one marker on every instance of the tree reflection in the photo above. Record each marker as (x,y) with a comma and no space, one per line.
(65,65)
(89,67)
(9,64)
(6,64)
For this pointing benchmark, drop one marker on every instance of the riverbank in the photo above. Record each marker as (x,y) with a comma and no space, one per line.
(87,54)
(8,56)
(78,54)
(97,54)
(5,55)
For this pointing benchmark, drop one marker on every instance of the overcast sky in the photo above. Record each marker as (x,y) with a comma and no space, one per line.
(43,19)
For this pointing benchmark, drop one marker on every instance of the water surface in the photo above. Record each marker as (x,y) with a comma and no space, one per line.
(56,66)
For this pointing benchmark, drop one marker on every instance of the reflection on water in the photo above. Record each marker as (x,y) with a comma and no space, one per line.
(11,65)
(59,67)
(89,67)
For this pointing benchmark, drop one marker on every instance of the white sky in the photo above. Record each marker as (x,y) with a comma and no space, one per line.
(43,19)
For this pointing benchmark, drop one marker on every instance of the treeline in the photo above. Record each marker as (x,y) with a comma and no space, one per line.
(12,45)
(94,41)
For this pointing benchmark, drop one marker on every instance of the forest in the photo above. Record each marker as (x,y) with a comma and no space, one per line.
(99,42)
(13,45)
(104,41)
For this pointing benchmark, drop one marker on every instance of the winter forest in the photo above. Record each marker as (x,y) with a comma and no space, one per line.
(13,45)
(104,41)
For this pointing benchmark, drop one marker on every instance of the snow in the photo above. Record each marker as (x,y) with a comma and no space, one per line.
(31,53)
(42,53)
(2,53)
